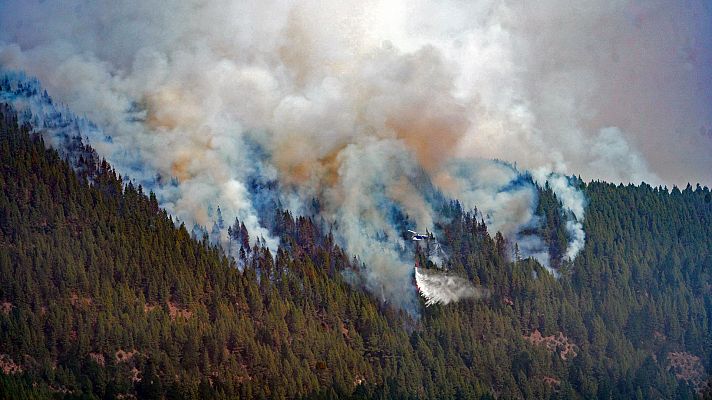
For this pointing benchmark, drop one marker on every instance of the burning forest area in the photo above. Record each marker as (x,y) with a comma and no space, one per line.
(357,199)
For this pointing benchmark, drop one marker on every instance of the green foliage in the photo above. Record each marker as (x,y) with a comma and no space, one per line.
(108,297)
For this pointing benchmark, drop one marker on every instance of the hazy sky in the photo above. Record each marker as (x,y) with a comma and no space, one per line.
(613,90)
(616,90)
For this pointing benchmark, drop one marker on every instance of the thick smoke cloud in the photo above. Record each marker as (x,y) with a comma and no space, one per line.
(373,106)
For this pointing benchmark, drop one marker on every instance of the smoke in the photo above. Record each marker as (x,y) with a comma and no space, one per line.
(442,288)
(573,203)
(505,198)
(370,107)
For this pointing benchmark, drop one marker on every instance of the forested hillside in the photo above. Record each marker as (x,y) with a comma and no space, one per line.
(103,296)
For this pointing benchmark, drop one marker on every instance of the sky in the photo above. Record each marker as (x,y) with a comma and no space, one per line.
(612,90)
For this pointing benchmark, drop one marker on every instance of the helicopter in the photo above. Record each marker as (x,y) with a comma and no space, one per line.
(418,236)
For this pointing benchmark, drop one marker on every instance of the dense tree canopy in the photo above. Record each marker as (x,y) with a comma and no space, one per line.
(104,296)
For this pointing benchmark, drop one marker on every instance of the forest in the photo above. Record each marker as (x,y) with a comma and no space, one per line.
(104,296)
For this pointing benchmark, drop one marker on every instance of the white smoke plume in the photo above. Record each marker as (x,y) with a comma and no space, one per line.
(369,106)
(438,287)
(506,199)
(573,203)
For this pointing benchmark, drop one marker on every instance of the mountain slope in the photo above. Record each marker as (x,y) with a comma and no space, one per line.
(103,296)
(92,272)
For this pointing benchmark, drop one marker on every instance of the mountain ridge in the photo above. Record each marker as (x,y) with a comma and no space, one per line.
(95,268)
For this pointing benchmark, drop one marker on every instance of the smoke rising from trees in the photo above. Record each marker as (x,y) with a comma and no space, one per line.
(370,107)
